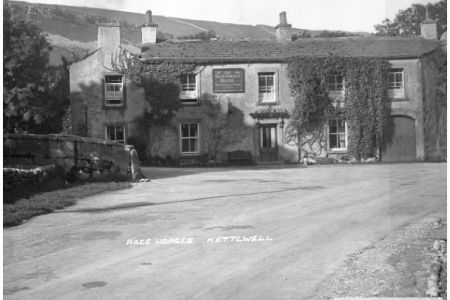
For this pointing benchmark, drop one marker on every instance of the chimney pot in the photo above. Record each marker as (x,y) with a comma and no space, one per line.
(283,30)
(149,16)
(149,30)
(283,19)
(428,27)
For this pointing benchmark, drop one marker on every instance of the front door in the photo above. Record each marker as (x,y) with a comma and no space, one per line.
(268,147)
(401,140)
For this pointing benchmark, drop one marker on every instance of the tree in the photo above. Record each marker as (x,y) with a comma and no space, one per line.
(407,22)
(221,129)
(34,94)
(204,35)
(326,33)
(162,84)
(304,35)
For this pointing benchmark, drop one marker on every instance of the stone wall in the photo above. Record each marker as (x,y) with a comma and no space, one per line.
(89,114)
(73,153)
(238,107)
(87,108)
(412,104)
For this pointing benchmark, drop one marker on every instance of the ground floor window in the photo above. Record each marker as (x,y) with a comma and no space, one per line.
(189,138)
(338,134)
(115,133)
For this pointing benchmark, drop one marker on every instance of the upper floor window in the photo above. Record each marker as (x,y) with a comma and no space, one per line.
(337,134)
(188,92)
(116,133)
(335,82)
(113,90)
(396,83)
(335,87)
(266,87)
(189,138)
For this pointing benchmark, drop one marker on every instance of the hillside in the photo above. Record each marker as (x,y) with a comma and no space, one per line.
(73,30)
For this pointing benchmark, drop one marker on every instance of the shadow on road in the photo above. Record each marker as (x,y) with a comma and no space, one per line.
(140,204)
(168,172)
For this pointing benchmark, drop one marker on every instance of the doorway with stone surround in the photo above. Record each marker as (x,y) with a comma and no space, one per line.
(268,145)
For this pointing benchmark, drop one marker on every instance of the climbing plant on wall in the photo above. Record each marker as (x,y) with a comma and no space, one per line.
(161,83)
(220,127)
(365,81)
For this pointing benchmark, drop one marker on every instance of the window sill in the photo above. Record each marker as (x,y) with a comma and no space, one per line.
(117,142)
(183,154)
(338,151)
(268,103)
(114,106)
(190,103)
(188,95)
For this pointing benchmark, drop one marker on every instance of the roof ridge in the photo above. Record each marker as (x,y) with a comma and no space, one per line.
(270,50)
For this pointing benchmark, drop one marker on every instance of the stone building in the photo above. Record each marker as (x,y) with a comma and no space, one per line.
(249,81)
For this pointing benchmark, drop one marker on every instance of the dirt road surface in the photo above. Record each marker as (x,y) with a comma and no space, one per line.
(309,219)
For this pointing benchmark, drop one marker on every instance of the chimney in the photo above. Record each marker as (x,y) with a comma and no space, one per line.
(108,35)
(283,30)
(149,30)
(428,28)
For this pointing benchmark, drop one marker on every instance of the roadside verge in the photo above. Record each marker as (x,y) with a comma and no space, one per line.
(408,262)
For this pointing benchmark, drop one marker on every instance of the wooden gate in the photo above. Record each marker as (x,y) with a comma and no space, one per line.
(400,140)
(268,147)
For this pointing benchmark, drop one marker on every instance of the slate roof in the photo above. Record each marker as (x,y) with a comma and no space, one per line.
(273,51)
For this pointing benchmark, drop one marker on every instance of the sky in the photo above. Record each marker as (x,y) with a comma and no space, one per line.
(348,15)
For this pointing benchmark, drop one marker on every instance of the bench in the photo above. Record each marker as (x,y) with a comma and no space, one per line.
(240,156)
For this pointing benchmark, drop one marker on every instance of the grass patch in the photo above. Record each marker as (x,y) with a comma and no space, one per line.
(24,183)
(44,203)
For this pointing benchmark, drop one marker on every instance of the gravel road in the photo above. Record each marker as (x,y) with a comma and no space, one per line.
(222,233)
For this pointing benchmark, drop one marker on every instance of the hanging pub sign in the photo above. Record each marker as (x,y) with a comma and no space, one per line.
(228,81)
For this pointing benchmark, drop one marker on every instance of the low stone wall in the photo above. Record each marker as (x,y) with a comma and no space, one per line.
(72,153)
(21,183)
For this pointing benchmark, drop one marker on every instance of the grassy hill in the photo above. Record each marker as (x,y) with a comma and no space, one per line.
(73,30)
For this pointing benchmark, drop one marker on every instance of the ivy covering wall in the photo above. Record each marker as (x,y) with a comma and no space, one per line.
(161,83)
(434,80)
(365,110)
(365,81)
